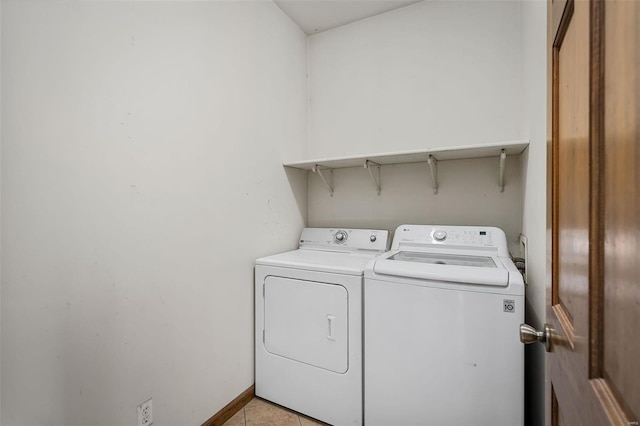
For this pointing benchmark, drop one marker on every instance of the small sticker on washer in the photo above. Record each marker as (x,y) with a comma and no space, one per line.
(509,305)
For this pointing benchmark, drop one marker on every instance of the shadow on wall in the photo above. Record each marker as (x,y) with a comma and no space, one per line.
(298,181)
(534,361)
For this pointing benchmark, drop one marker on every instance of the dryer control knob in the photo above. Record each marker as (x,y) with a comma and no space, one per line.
(340,237)
(373,238)
(440,235)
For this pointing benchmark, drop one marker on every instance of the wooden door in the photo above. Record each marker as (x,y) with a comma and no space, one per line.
(595,212)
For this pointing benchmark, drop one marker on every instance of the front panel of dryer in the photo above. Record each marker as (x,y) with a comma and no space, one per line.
(307,321)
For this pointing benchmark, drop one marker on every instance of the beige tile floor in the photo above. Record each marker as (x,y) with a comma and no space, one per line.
(259,412)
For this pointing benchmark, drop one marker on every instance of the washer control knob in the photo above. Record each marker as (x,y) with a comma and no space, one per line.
(373,238)
(440,235)
(340,237)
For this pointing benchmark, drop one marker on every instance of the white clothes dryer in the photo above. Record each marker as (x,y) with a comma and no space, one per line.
(442,316)
(308,316)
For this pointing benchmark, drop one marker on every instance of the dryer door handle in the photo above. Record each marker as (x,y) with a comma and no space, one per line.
(331,322)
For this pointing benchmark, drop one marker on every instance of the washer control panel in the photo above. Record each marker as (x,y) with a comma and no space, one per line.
(440,235)
(345,239)
(455,237)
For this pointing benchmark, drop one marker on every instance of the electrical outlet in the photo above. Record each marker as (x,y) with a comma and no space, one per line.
(524,252)
(145,413)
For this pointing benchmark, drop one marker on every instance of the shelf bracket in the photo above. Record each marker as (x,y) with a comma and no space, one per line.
(433,165)
(368,164)
(318,170)
(503,160)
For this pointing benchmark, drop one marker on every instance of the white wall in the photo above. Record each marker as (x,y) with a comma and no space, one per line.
(141,176)
(0,214)
(432,74)
(534,106)
(438,74)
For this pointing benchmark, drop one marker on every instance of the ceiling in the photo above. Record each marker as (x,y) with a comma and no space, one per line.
(314,16)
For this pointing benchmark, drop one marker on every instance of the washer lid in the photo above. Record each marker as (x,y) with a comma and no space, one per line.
(456,268)
(444,259)
(350,263)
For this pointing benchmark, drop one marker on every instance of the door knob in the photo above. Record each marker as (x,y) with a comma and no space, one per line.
(529,334)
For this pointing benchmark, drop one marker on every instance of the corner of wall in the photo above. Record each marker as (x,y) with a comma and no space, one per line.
(522,73)
(307,147)
(308,103)
(0,211)
(533,60)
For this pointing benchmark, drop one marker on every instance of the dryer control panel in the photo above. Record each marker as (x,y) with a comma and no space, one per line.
(455,237)
(344,239)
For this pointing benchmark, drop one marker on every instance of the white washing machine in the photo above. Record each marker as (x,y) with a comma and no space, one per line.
(308,305)
(442,316)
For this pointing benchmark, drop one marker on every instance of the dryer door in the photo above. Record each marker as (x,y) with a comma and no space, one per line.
(307,321)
